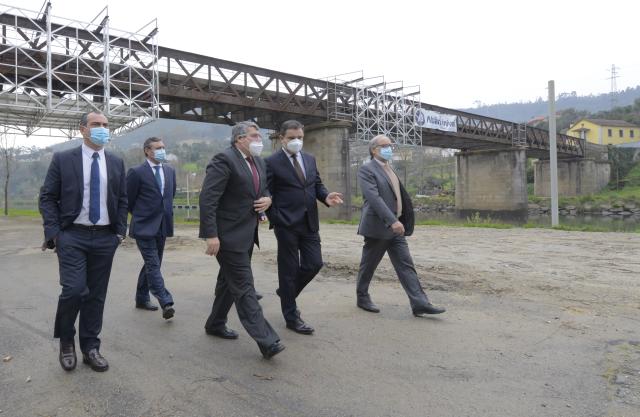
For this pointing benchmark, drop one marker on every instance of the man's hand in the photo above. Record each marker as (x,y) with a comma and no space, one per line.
(213,246)
(398,228)
(262,204)
(50,244)
(333,199)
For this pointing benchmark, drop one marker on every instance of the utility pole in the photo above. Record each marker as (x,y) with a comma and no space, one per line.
(613,94)
(553,154)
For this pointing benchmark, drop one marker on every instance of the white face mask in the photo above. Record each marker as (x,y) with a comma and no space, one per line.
(294,145)
(255,148)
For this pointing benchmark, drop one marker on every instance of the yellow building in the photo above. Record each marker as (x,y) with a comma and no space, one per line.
(605,132)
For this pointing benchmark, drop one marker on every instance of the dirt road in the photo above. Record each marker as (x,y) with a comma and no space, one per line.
(539,323)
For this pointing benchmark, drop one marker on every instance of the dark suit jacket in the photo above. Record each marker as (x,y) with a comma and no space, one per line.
(63,190)
(378,210)
(151,212)
(291,198)
(226,200)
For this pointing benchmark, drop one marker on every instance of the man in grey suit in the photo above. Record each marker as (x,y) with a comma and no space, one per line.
(234,197)
(387,217)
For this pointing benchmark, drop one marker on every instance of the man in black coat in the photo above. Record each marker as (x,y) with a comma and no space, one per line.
(295,186)
(83,203)
(234,196)
(151,187)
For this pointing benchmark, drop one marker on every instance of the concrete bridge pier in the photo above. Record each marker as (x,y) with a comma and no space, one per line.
(492,183)
(329,143)
(575,177)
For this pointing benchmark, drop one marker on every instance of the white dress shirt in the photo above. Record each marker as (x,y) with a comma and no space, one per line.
(87,160)
(299,158)
(153,171)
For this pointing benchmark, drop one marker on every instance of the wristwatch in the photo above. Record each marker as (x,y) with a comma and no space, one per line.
(121,238)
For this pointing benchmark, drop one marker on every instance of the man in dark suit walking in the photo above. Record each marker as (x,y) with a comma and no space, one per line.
(83,203)
(151,187)
(387,217)
(234,195)
(295,185)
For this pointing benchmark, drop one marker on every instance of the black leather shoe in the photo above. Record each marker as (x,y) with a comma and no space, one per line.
(300,326)
(367,305)
(95,360)
(168,311)
(146,306)
(68,359)
(428,309)
(271,351)
(258,295)
(225,333)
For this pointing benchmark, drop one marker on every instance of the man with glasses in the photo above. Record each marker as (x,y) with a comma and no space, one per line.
(234,197)
(387,217)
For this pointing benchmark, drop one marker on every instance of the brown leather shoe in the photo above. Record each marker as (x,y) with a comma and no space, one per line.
(67,356)
(95,360)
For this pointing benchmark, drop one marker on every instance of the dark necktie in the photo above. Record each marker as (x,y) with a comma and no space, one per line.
(94,190)
(254,174)
(158,177)
(297,167)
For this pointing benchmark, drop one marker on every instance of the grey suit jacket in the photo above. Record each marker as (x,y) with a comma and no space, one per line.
(378,210)
(226,200)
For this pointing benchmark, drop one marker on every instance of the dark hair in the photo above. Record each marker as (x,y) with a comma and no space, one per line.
(84,119)
(148,142)
(290,124)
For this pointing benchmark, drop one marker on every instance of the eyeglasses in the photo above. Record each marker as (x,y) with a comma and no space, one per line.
(252,136)
(392,146)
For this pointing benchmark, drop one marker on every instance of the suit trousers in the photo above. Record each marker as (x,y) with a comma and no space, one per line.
(85,258)
(235,285)
(398,250)
(299,261)
(150,277)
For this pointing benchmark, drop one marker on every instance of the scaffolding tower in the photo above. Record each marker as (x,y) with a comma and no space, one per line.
(54,69)
(387,108)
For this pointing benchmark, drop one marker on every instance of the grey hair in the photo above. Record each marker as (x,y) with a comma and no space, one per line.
(84,119)
(374,142)
(240,129)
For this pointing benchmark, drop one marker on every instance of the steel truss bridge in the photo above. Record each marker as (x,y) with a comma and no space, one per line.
(54,69)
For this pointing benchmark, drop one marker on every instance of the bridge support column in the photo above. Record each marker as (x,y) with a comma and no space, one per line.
(329,143)
(575,177)
(492,183)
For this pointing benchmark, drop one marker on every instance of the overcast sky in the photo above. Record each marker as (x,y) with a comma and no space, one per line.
(459,52)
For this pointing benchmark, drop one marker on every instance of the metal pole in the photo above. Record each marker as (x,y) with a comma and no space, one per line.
(106,81)
(188,201)
(553,155)
(49,66)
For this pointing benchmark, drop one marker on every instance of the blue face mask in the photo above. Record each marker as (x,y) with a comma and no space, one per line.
(386,153)
(160,155)
(99,136)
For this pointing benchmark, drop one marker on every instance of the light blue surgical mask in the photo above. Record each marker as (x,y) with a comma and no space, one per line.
(160,155)
(99,136)
(386,153)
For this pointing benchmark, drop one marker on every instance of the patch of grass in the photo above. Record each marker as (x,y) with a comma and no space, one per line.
(339,221)
(183,220)
(23,213)
(488,225)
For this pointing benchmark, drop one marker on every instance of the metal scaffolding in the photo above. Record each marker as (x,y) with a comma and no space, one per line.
(54,69)
(387,108)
